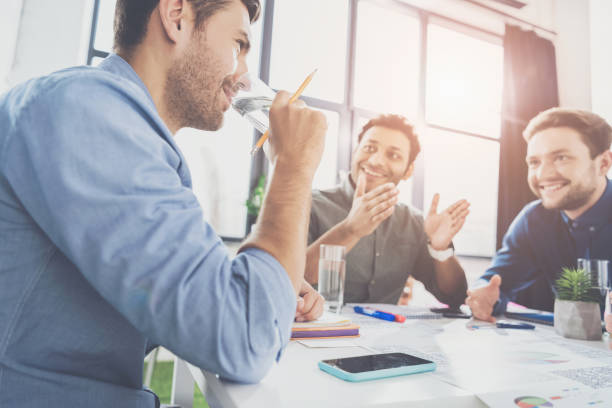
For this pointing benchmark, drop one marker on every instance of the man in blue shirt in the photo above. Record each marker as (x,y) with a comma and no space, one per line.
(568,158)
(103,247)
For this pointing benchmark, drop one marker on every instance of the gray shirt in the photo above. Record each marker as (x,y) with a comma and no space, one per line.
(379,265)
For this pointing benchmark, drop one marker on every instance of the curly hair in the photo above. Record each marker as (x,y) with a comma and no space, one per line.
(396,122)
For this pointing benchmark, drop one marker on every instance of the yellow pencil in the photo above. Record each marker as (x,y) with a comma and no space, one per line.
(293,98)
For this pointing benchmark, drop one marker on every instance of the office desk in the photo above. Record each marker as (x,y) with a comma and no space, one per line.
(470,362)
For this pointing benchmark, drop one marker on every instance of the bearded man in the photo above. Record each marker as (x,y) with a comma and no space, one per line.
(103,247)
(568,159)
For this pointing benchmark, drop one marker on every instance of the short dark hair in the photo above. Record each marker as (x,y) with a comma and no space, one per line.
(596,133)
(396,122)
(132,17)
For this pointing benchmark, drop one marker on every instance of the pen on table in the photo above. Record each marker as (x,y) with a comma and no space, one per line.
(293,98)
(379,314)
(524,326)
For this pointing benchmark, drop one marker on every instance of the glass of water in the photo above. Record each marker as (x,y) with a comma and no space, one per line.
(253,100)
(601,280)
(332,267)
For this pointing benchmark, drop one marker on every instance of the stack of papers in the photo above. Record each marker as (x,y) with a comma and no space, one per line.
(327,326)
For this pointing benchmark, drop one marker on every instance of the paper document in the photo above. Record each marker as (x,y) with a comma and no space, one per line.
(326,320)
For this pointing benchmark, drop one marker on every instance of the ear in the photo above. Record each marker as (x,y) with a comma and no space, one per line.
(605,162)
(408,172)
(172,15)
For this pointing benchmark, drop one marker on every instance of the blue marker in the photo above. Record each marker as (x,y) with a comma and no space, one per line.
(512,325)
(378,314)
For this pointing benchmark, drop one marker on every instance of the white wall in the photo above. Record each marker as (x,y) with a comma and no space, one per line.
(9,28)
(601,58)
(51,35)
(573,55)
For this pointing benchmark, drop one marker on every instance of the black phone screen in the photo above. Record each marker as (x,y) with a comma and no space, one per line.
(376,362)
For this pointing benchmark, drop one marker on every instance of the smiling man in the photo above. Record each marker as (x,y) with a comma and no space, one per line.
(568,158)
(104,250)
(386,241)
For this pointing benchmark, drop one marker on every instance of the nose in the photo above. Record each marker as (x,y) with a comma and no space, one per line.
(241,69)
(377,159)
(545,169)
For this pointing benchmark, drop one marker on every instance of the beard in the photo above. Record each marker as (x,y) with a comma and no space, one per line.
(193,91)
(577,196)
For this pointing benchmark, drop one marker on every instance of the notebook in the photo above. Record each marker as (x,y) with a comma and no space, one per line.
(325,332)
(327,326)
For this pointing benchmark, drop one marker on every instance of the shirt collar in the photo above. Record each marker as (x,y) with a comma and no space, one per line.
(117,65)
(598,214)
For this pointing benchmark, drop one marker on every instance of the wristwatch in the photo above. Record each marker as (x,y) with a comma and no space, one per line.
(440,255)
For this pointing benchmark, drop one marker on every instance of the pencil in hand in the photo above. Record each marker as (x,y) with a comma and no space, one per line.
(293,98)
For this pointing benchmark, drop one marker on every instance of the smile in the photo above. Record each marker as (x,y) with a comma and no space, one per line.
(549,188)
(372,173)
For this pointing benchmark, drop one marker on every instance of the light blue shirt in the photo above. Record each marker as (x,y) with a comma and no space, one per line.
(104,251)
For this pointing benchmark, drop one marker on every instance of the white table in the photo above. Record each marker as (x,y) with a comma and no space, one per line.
(296,381)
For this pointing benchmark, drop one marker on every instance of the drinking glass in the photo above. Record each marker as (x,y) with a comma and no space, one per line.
(601,280)
(332,268)
(253,100)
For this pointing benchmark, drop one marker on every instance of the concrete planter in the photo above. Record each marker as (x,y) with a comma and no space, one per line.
(577,320)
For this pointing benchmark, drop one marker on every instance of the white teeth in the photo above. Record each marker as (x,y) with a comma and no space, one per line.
(551,187)
(371,173)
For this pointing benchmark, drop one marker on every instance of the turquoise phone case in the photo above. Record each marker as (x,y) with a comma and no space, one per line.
(376,374)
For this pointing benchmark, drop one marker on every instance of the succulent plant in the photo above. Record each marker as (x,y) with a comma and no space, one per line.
(575,285)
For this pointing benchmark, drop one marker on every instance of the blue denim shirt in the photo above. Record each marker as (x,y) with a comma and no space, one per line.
(540,242)
(104,250)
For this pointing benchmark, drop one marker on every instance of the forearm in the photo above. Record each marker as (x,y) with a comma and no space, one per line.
(340,234)
(282,224)
(450,278)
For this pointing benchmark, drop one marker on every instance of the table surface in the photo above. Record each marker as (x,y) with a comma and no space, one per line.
(471,362)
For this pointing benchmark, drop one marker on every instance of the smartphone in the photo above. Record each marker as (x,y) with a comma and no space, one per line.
(374,366)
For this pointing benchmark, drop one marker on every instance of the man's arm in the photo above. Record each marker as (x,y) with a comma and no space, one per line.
(512,266)
(296,146)
(367,212)
(116,203)
(451,281)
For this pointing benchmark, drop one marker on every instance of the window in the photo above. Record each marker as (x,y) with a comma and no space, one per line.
(305,38)
(463,98)
(387,60)
(464,81)
(460,166)
(373,57)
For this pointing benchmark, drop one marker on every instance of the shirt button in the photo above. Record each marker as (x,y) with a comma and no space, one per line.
(372,282)
(592,229)
(378,254)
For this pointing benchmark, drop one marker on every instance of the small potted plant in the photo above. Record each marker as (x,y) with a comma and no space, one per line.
(577,314)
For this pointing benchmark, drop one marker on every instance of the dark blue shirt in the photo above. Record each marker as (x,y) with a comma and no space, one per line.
(540,242)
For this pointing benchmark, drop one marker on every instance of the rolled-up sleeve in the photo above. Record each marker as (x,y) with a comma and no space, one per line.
(91,163)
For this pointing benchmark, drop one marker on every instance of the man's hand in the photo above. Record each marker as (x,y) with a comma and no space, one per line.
(482,300)
(309,305)
(370,209)
(297,134)
(406,295)
(441,228)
